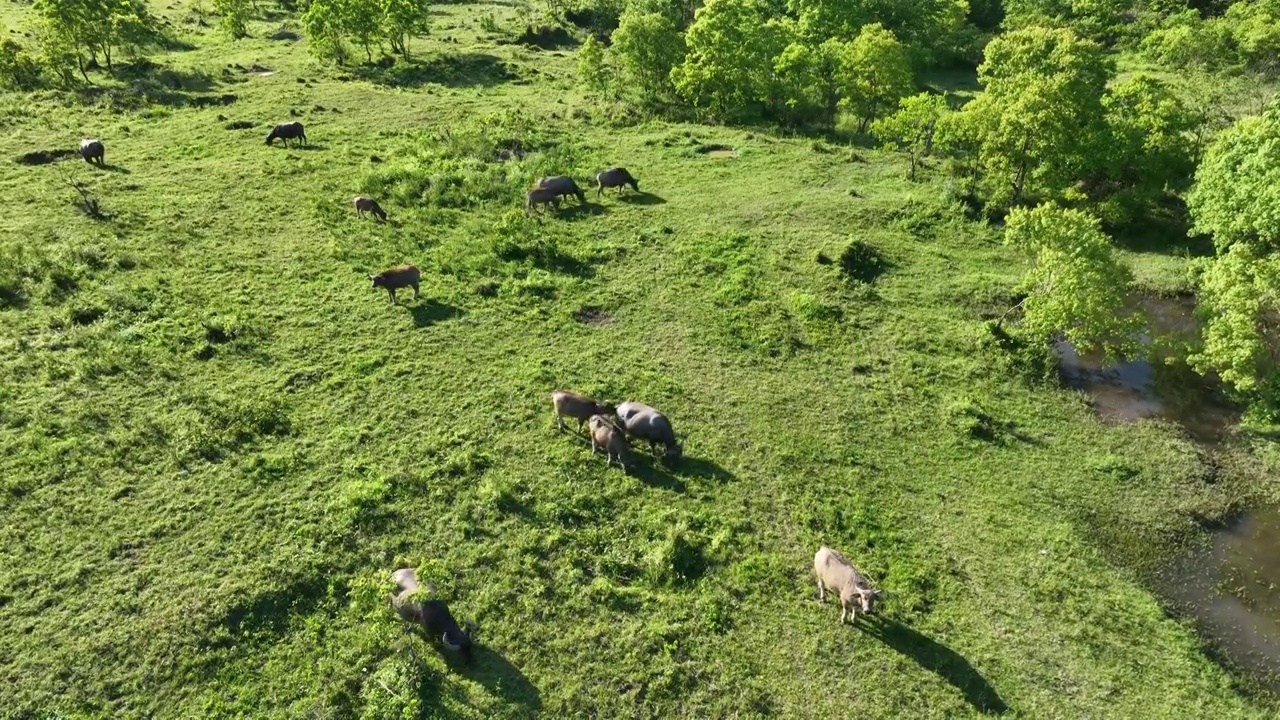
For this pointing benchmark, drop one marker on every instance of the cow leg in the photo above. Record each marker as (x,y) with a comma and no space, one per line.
(415,291)
(392,293)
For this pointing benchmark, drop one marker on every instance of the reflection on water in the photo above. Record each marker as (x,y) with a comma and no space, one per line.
(1153,388)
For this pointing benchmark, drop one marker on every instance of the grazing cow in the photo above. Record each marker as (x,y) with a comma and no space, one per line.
(541,196)
(369,205)
(609,437)
(286,132)
(643,422)
(396,278)
(578,407)
(615,177)
(432,614)
(562,185)
(93,152)
(833,572)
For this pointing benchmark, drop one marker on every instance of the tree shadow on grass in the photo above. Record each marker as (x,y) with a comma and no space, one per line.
(113,169)
(470,69)
(142,84)
(430,312)
(642,198)
(1163,229)
(940,659)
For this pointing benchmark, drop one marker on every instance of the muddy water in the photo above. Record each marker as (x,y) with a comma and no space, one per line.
(1153,388)
(1231,587)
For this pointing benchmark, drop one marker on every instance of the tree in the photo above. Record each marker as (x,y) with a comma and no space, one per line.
(90,27)
(874,73)
(322,21)
(591,65)
(1100,20)
(404,19)
(1236,196)
(1236,199)
(1077,285)
(646,46)
(1038,122)
(729,66)
(18,70)
(361,20)
(1150,143)
(911,129)
(808,78)
(234,16)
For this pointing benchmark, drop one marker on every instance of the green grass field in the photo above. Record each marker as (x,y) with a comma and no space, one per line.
(217,440)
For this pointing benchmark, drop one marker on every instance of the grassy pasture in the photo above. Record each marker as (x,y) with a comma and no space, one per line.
(217,441)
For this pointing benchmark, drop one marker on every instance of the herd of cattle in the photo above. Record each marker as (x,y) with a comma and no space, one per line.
(610,428)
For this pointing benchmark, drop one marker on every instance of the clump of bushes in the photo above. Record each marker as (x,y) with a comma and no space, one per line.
(862,262)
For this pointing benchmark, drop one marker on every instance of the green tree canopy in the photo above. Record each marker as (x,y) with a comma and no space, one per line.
(646,46)
(1038,126)
(874,73)
(404,19)
(1077,285)
(730,64)
(1236,196)
(911,128)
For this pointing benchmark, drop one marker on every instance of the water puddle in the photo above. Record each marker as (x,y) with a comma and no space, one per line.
(1232,589)
(1153,388)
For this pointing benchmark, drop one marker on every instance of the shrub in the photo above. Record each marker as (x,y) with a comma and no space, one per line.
(861,262)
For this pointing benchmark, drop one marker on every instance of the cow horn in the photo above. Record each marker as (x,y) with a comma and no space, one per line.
(445,639)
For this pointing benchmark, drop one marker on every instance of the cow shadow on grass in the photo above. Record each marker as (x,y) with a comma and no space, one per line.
(496,674)
(940,659)
(640,198)
(429,312)
(580,211)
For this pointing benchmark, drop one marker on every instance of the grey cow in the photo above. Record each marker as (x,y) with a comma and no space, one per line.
(616,177)
(541,196)
(643,422)
(365,204)
(286,132)
(833,572)
(562,185)
(432,614)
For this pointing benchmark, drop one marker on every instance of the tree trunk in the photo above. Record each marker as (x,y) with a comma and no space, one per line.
(80,64)
(913,167)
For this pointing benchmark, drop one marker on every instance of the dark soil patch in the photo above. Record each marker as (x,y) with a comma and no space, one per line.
(715,150)
(240,125)
(44,157)
(284,34)
(593,316)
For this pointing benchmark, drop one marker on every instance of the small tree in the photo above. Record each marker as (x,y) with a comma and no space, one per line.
(405,19)
(234,16)
(874,73)
(911,129)
(1077,286)
(647,46)
(18,70)
(591,65)
(90,27)
(322,22)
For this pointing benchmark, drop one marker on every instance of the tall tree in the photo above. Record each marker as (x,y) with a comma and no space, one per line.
(1038,122)
(403,20)
(875,74)
(1236,199)
(1077,285)
(646,46)
(729,68)
(911,129)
